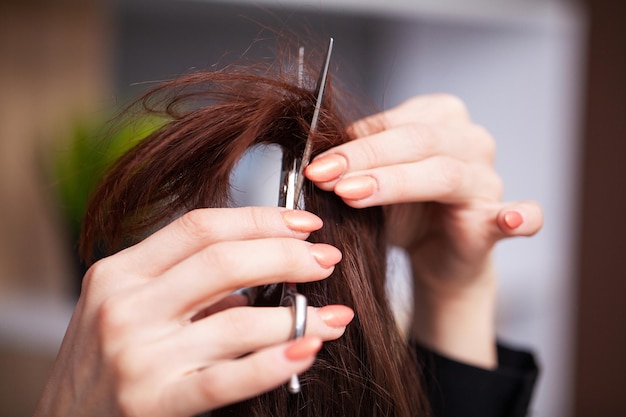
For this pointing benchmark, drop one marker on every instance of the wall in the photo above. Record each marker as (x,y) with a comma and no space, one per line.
(53,64)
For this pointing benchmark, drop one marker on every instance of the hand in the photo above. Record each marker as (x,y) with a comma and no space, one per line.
(433,167)
(157,331)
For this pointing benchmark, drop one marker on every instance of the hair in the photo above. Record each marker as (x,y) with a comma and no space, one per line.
(213,118)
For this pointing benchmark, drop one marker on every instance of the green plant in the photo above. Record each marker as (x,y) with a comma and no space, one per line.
(80,162)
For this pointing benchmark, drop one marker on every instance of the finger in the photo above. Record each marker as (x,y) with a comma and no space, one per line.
(249,329)
(404,144)
(232,381)
(440,179)
(400,145)
(222,268)
(233,300)
(523,218)
(430,108)
(199,228)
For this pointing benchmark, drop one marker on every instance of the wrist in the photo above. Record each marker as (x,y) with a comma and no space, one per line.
(457,318)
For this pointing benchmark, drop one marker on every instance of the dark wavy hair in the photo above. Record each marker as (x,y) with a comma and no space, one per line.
(213,118)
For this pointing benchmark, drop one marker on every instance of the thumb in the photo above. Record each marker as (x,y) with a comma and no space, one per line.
(521,218)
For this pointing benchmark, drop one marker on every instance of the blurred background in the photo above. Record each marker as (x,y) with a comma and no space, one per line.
(546,77)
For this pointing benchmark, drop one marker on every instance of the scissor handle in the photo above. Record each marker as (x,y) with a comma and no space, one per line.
(298,303)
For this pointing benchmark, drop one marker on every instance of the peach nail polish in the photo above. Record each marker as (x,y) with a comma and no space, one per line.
(336,315)
(325,255)
(513,219)
(356,188)
(327,168)
(303,348)
(302,221)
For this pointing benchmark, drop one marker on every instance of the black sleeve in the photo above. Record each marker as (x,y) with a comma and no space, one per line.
(456,389)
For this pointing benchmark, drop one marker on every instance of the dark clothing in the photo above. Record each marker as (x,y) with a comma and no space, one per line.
(459,390)
(456,389)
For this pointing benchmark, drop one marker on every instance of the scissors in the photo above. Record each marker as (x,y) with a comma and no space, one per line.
(290,195)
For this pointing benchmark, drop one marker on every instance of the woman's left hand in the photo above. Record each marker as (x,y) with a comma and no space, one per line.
(433,169)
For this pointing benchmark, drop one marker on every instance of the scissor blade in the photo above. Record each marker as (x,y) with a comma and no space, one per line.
(306,155)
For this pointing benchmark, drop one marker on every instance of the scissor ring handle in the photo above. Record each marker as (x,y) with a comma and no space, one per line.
(298,303)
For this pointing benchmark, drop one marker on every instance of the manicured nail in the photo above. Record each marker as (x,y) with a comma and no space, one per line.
(513,219)
(336,315)
(327,168)
(303,348)
(325,255)
(356,188)
(302,221)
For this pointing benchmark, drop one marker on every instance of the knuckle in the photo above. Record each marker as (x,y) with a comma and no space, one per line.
(114,317)
(415,131)
(126,402)
(497,185)
(485,142)
(260,218)
(222,258)
(212,388)
(128,365)
(414,103)
(282,258)
(270,373)
(97,276)
(369,153)
(423,141)
(452,172)
(196,223)
(241,321)
(290,254)
(451,103)
(102,280)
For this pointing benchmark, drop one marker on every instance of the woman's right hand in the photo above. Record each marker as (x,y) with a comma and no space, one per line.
(157,331)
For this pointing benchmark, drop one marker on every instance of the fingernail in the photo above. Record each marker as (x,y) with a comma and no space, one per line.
(513,219)
(325,255)
(356,188)
(302,221)
(336,315)
(303,348)
(327,168)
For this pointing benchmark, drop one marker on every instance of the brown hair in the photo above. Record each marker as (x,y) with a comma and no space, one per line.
(214,117)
